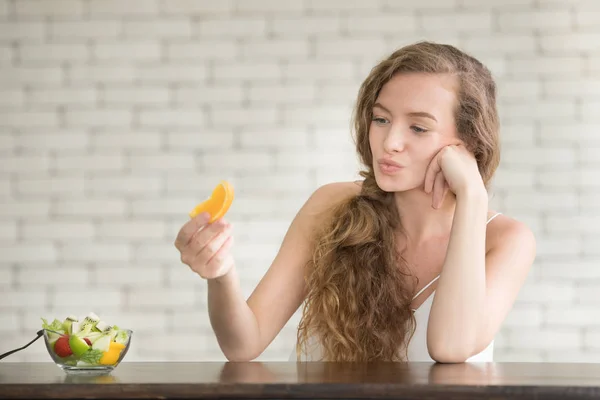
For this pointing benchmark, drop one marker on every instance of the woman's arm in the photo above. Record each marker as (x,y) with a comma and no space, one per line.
(476,290)
(459,299)
(245,328)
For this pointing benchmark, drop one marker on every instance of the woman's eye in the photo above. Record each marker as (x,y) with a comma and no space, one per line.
(418,129)
(379,120)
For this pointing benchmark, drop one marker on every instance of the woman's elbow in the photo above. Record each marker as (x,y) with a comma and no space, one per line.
(447,355)
(239,359)
(240,354)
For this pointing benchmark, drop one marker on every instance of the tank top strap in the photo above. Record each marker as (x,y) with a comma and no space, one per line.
(492,217)
(437,277)
(426,286)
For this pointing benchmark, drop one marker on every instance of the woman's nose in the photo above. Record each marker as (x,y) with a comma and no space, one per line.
(395,140)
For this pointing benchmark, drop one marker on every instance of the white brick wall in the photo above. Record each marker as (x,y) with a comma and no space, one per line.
(117,117)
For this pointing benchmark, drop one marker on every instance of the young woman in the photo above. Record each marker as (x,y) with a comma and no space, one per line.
(407,264)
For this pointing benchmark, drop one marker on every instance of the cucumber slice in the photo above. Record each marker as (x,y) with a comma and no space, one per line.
(102,343)
(93,336)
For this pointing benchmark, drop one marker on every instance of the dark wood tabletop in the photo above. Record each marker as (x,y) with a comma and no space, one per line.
(269,380)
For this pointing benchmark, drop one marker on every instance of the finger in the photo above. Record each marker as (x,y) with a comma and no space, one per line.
(201,237)
(438,190)
(432,171)
(199,241)
(444,193)
(190,228)
(214,267)
(435,190)
(207,251)
(446,188)
(203,265)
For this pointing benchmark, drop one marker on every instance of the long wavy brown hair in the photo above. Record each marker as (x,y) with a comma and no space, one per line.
(359,286)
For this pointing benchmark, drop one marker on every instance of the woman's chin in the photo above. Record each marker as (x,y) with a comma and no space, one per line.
(391,184)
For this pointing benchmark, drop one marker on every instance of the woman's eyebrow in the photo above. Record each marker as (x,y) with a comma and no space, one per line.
(410,114)
(382,107)
(422,114)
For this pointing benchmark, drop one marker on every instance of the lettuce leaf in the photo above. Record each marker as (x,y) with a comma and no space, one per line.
(121,337)
(55,326)
(91,356)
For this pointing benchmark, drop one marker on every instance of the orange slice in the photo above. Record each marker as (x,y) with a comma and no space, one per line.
(112,355)
(219,202)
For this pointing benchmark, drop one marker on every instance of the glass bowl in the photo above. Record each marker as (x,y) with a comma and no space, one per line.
(90,362)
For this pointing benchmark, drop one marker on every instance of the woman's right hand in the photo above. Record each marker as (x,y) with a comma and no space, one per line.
(204,247)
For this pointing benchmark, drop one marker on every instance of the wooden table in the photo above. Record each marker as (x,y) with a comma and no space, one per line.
(306,380)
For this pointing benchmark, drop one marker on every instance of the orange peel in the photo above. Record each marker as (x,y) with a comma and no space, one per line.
(217,204)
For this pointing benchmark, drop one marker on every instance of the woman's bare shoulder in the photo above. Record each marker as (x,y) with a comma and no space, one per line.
(338,190)
(503,228)
(328,195)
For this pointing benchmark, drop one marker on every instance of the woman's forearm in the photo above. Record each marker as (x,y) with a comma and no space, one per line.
(232,320)
(458,304)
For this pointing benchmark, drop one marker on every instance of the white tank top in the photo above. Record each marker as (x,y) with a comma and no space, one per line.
(417,347)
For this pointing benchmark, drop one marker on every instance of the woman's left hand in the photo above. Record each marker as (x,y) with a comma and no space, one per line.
(453,168)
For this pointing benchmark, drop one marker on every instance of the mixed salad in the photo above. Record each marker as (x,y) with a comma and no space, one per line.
(89,342)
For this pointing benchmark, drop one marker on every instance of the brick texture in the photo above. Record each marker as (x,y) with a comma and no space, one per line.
(116,117)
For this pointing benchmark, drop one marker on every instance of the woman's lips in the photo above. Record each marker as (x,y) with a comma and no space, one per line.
(389,169)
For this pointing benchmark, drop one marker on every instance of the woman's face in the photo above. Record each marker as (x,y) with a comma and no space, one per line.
(413,119)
